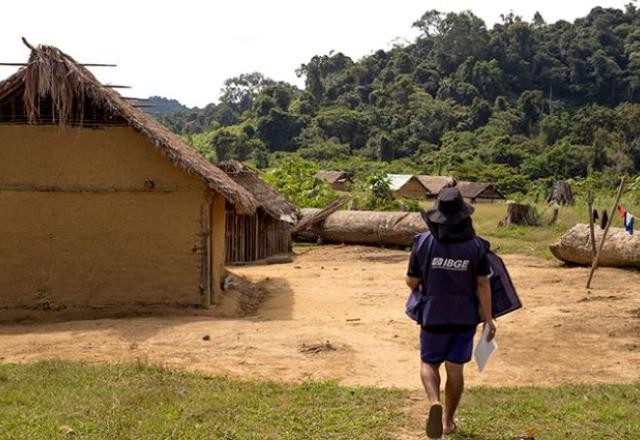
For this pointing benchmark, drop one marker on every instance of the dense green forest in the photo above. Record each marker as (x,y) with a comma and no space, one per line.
(521,103)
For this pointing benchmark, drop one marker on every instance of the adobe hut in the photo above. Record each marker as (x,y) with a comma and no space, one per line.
(433,184)
(262,235)
(100,204)
(406,185)
(339,180)
(480,192)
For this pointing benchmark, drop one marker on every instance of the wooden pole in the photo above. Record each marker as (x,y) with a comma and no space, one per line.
(594,266)
(591,226)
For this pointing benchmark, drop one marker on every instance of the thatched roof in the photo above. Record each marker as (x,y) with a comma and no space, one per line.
(334,176)
(471,190)
(269,200)
(434,184)
(52,75)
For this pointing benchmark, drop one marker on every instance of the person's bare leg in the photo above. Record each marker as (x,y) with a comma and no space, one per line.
(430,375)
(452,394)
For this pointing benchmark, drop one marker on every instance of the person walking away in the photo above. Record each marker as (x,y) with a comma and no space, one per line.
(451,269)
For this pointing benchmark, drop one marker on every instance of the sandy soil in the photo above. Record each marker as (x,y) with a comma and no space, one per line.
(337,313)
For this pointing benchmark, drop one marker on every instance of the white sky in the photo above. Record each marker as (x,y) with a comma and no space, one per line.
(185,49)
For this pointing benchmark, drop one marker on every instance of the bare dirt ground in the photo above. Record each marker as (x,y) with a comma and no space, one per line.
(338,313)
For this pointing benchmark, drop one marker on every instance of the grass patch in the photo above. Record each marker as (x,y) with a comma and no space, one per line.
(524,240)
(141,402)
(562,413)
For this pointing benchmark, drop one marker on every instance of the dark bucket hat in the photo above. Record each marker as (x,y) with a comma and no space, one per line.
(449,209)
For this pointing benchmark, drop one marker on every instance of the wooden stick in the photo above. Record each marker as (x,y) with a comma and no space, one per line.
(591,227)
(594,266)
(117,86)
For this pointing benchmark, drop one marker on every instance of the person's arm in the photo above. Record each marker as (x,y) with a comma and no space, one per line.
(413,282)
(414,272)
(484,297)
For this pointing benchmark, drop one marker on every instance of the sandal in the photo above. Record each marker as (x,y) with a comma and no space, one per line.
(434,422)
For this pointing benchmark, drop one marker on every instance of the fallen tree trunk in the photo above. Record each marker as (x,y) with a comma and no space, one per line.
(319,215)
(365,227)
(620,249)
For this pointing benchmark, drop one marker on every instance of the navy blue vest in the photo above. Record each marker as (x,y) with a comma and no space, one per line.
(449,281)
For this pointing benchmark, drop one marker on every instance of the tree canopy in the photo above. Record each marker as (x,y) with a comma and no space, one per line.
(522,100)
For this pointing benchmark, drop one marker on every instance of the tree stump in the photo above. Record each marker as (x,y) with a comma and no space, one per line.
(560,193)
(520,214)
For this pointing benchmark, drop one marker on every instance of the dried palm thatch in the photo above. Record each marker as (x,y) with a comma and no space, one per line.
(268,199)
(69,87)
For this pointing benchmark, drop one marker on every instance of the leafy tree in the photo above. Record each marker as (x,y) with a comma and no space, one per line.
(240,91)
(373,193)
(295,179)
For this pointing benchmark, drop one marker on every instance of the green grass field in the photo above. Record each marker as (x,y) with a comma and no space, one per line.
(560,413)
(46,399)
(56,399)
(534,240)
(525,240)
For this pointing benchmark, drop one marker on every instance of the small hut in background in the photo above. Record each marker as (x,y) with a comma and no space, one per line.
(433,184)
(480,192)
(406,185)
(262,235)
(339,180)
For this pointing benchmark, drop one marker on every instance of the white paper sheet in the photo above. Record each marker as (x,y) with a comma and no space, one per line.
(484,349)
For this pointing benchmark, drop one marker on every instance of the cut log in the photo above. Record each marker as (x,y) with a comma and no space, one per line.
(366,227)
(560,193)
(519,214)
(620,249)
(319,215)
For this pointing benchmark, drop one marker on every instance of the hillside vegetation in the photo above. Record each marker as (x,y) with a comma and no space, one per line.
(521,104)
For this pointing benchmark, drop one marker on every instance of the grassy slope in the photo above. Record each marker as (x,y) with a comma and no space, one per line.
(127,402)
(562,413)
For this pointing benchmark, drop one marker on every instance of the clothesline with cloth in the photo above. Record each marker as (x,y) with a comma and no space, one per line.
(627,218)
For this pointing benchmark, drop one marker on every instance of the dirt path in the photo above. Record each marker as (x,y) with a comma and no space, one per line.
(337,312)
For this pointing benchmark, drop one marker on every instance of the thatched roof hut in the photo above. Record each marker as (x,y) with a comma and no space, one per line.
(265,234)
(268,199)
(339,180)
(480,192)
(53,88)
(419,186)
(101,205)
(434,184)
(406,185)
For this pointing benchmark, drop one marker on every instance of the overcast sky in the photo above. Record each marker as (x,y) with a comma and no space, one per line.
(185,49)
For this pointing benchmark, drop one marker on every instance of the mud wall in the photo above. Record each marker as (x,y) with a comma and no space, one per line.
(98,217)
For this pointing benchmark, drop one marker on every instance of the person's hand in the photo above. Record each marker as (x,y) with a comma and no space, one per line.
(492,329)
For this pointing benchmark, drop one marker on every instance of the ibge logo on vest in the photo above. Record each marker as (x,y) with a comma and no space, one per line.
(449,264)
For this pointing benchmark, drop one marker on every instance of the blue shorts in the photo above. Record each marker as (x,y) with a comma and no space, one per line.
(437,346)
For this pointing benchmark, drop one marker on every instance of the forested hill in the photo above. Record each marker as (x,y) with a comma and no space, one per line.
(521,101)
(159,105)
